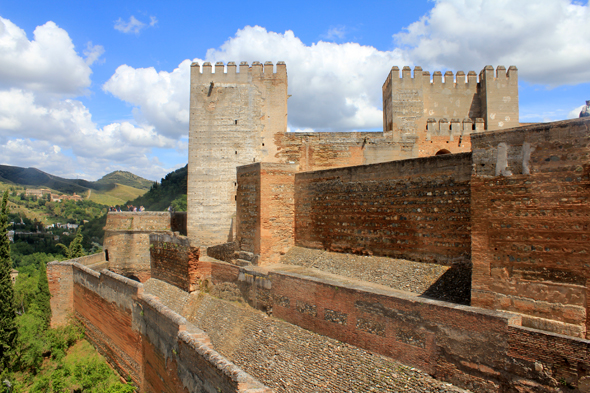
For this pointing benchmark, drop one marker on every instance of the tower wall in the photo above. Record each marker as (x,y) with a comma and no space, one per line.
(236,118)
(441,113)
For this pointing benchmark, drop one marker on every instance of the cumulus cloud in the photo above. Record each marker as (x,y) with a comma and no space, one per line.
(546,39)
(47,64)
(161,98)
(333,86)
(333,33)
(133,26)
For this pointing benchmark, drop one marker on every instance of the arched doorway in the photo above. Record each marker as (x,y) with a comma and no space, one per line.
(442,151)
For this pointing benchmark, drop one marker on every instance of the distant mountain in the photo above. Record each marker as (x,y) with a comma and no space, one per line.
(127,179)
(35,178)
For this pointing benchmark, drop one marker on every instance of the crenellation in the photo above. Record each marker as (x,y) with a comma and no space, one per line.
(219,67)
(437,78)
(449,79)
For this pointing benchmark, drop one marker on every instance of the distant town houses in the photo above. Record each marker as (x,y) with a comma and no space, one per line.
(40,192)
(13,276)
(11,236)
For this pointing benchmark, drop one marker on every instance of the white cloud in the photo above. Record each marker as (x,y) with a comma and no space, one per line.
(333,33)
(134,25)
(47,64)
(575,113)
(161,98)
(93,53)
(546,39)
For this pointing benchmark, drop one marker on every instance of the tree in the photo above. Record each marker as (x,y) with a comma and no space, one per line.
(8,327)
(43,296)
(75,249)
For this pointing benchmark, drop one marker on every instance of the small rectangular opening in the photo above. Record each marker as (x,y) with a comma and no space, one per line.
(235,122)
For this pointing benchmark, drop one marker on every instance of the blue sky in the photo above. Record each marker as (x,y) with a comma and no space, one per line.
(88,87)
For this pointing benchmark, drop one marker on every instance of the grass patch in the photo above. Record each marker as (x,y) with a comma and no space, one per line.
(117,196)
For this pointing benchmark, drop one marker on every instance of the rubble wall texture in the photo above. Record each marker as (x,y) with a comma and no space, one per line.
(530,213)
(414,209)
(174,260)
(142,338)
(479,349)
(126,240)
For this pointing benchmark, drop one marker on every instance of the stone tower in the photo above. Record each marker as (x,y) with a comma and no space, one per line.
(236,116)
(442,113)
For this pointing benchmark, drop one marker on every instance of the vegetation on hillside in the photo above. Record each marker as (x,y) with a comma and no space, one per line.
(126,178)
(171,191)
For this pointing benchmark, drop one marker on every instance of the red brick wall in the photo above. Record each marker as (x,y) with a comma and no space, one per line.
(265,210)
(415,209)
(530,215)
(141,337)
(103,303)
(475,348)
(174,260)
(61,284)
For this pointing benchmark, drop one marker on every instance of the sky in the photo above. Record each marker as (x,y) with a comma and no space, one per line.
(90,87)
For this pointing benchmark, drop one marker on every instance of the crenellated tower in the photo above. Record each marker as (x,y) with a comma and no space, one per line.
(236,114)
(443,111)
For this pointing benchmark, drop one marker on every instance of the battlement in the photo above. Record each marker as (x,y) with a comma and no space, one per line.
(423,78)
(231,72)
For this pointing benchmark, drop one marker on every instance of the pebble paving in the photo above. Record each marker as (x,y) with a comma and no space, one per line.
(288,358)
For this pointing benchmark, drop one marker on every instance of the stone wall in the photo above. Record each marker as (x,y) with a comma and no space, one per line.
(126,239)
(441,113)
(530,215)
(145,340)
(479,349)
(235,118)
(414,209)
(174,260)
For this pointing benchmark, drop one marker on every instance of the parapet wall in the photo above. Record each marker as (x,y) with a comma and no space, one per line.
(174,260)
(530,213)
(126,240)
(142,338)
(482,350)
(414,209)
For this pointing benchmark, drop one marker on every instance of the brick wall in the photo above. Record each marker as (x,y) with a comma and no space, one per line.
(414,209)
(530,215)
(475,348)
(142,338)
(126,239)
(174,260)
(59,276)
(265,210)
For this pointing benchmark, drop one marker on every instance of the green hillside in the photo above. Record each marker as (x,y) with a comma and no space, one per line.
(127,179)
(118,195)
(171,191)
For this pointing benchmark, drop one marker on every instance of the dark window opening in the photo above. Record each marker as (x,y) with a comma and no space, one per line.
(235,122)
(263,144)
(106,255)
(442,151)
(236,152)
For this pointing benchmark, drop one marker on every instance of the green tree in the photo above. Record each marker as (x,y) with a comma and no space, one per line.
(8,328)
(75,249)
(43,296)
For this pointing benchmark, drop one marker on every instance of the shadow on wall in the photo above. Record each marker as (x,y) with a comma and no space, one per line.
(453,286)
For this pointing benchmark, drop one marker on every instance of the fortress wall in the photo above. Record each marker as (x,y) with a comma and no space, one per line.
(481,350)
(104,303)
(141,337)
(530,213)
(413,209)
(323,150)
(174,260)
(126,239)
(60,278)
(265,210)
(499,97)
